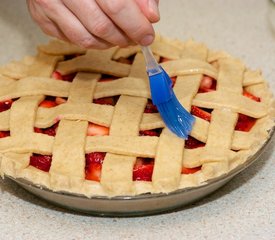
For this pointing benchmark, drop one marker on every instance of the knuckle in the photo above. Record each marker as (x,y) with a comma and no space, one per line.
(48,29)
(48,6)
(102,28)
(45,24)
(139,32)
(123,43)
(115,6)
(43,3)
(88,42)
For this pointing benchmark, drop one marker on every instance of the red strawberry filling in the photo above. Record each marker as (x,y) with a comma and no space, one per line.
(207,84)
(107,78)
(199,112)
(152,133)
(48,103)
(143,169)
(150,107)
(190,170)
(51,131)
(60,100)
(245,123)
(42,162)
(97,130)
(71,56)
(126,60)
(251,96)
(93,165)
(164,59)
(191,143)
(173,79)
(5,105)
(4,134)
(69,78)
(106,101)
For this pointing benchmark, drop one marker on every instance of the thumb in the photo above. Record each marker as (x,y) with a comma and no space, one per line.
(150,9)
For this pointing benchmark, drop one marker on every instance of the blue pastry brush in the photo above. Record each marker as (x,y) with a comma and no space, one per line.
(174,115)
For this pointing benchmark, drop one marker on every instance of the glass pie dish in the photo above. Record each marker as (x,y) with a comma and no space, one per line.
(79,129)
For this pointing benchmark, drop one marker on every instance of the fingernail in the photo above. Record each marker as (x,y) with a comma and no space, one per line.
(153,6)
(148,39)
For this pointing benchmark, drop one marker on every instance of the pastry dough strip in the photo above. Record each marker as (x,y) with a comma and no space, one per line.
(117,179)
(103,64)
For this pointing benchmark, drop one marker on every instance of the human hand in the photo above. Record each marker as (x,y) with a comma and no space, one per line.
(97,23)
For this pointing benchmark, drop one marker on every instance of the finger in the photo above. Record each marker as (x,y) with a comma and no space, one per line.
(71,26)
(97,22)
(46,25)
(150,9)
(127,15)
(51,29)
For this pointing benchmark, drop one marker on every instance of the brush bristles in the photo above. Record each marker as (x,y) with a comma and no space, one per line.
(176,117)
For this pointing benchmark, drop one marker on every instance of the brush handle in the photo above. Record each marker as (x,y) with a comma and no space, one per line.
(160,83)
(152,66)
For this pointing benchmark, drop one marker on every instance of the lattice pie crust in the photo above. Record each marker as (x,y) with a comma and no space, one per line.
(28,82)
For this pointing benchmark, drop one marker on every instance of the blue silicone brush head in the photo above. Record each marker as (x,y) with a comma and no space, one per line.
(174,115)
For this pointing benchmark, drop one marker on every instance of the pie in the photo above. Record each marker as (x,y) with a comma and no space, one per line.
(82,121)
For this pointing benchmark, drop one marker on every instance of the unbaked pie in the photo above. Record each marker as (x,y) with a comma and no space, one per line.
(81,121)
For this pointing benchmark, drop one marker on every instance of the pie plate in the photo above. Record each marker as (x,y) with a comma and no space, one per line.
(145,204)
(93,141)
